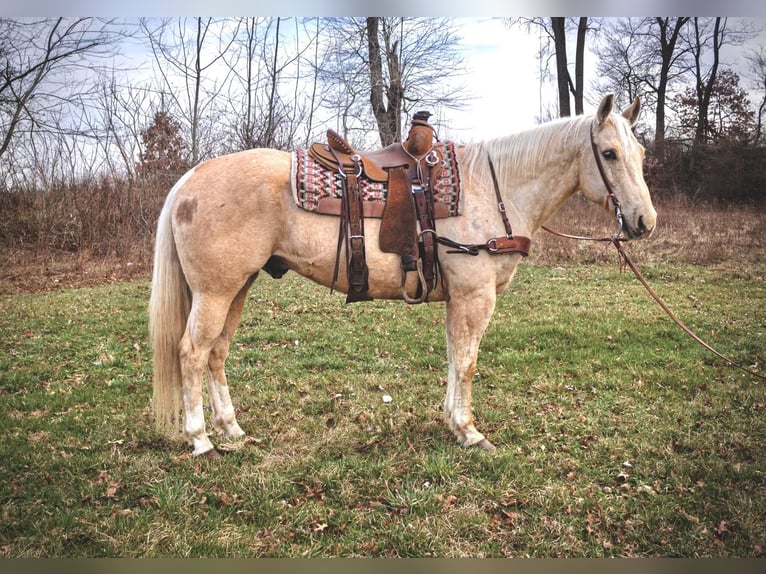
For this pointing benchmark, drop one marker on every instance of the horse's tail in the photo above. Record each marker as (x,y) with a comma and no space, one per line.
(169,307)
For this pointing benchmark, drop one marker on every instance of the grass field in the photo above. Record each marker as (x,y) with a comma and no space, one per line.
(617,435)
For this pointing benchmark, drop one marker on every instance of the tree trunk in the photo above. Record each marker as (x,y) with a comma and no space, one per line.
(562,72)
(273,95)
(705,87)
(668,39)
(386,116)
(579,90)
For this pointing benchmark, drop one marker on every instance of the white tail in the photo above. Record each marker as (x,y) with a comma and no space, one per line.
(169,307)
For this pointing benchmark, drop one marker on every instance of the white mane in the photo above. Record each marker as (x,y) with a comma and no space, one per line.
(522,153)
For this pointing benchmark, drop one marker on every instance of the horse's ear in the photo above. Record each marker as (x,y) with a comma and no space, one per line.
(631,113)
(605,108)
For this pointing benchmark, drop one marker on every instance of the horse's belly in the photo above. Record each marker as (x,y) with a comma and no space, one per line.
(310,249)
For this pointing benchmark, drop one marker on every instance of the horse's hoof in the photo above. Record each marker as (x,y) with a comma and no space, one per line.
(211,454)
(485,445)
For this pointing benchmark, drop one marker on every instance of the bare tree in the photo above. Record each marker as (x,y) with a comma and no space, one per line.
(578,89)
(387,109)
(706,38)
(666,39)
(41,64)
(187,53)
(125,110)
(757,61)
(622,62)
(556,30)
(647,56)
(558,27)
(388,68)
(267,92)
(247,76)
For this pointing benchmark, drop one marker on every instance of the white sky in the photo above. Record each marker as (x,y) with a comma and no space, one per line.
(504,73)
(503,69)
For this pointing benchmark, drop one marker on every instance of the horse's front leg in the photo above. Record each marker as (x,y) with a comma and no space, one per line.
(467,320)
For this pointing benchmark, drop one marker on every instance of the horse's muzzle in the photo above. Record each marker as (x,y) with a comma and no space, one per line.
(642,230)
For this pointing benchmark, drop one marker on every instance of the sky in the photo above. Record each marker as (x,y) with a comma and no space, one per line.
(504,75)
(502,62)
(386,7)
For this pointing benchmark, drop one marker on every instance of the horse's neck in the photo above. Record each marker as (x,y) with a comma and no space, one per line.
(536,182)
(538,199)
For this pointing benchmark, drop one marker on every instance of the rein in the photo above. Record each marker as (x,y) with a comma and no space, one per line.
(617,241)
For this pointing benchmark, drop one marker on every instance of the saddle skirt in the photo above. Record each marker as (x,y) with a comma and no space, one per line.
(320,190)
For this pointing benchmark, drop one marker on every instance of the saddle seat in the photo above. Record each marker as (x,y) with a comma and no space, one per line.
(338,153)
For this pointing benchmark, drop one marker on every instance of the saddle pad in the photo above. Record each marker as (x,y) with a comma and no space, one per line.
(311,183)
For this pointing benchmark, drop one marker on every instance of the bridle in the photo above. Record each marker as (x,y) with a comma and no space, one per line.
(607,183)
(611,196)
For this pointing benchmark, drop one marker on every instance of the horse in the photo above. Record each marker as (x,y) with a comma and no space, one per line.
(230,217)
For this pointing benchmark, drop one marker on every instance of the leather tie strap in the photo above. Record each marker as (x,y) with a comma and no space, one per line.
(427,235)
(352,230)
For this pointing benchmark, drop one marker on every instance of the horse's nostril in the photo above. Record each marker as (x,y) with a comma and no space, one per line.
(641,226)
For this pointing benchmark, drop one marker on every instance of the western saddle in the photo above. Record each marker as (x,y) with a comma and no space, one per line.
(410,170)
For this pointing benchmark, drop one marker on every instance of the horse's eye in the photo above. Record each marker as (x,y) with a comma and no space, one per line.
(610,154)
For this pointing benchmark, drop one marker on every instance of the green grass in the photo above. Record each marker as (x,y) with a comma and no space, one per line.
(617,434)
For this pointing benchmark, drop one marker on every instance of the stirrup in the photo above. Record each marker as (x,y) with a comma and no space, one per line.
(423,286)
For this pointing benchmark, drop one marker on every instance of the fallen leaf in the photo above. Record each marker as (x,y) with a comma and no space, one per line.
(319,526)
(449,501)
(111,489)
(722,528)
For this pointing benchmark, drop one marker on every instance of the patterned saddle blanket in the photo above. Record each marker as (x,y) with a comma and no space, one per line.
(320,190)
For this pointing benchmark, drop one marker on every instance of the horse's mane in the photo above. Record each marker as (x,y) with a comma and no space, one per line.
(522,153)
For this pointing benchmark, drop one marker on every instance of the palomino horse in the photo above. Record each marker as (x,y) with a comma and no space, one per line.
(229,217)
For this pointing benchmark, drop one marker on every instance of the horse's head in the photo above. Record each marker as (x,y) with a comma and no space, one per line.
(612,173)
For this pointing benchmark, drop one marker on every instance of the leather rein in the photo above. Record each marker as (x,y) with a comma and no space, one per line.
(617,239)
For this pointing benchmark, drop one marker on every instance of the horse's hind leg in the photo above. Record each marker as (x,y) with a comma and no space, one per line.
(467,319)
(224,418)
(203,329)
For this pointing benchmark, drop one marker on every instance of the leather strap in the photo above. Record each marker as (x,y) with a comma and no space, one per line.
(358,284)
(606,180)
(352,230)
(496,245)
(427,235)
(500,204)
